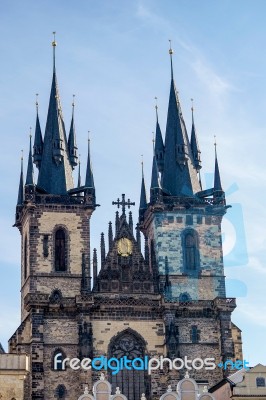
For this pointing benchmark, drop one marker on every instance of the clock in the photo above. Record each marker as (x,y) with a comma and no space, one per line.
(124,247)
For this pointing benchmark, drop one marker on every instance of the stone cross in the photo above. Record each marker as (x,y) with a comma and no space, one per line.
(123,203)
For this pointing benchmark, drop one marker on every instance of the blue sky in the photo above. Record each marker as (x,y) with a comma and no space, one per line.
(114,56)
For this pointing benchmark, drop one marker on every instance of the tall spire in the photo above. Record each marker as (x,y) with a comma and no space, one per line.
(21,184)
(89,182)
(179,176)
(38,140)
(72,143)
(194,143)
(159,146)
(217,179)
(55,176)
(29,176)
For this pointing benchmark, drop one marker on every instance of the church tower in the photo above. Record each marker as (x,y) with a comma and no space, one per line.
(53,217)
(166,301)
(182,224)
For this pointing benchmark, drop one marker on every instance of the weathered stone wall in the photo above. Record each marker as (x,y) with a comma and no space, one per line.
(14,370)
(166,230)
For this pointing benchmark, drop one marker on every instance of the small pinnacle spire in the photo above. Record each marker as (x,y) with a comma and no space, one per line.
(38,140)
(171,52)
(159,146)
(94,264)
(102,249)
(79,176)
(29,176)
(72,142)
(130,222)
(116,222)
(21,183)
(156,107)
(89,182)
(155,179)
(217,179)
(194,142)
(143,195)
(110,235)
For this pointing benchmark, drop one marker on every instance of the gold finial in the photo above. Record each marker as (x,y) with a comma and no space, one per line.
(30,132)
(54,44)
(142,165)
(170,49)
(21,155)
(73,102)
(215,144)
(89,136)
(79,159)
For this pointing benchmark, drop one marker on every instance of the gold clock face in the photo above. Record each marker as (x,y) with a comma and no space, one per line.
(124,247)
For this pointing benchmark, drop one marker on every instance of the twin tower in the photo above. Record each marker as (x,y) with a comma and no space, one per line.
(169,301)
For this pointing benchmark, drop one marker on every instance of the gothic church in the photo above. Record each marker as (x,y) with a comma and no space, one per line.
(168,300)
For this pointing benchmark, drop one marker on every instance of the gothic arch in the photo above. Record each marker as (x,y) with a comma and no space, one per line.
(132,383)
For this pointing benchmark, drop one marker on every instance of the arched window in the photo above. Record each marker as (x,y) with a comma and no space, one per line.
(132,383)
(260,382)
(194,334)
(60,250)
(25,257)
(60,392)
(190,250)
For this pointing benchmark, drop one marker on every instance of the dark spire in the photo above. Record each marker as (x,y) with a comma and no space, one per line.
(194,143)
(179,176)
(94,263)
(29,176)
(138,237)
(155,178)
(217,180)
(72,143)
(143,195)
(21,185)
(117,222)
(102,249)
(130,222)
(79,176)
(55,176)
(159,146)
(38,141)
(89,182)
(110,235)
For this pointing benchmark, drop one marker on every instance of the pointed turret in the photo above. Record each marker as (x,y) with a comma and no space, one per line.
(143,196)
(29,176)
(38,140)
(21,186)
(159,146)
(89,182)
(55,176)
(72,143)
(217,186)
(179,176)
(194,144)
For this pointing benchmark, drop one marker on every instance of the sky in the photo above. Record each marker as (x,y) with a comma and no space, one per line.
(113,55)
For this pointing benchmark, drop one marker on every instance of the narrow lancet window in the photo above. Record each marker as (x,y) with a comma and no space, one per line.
(60,250)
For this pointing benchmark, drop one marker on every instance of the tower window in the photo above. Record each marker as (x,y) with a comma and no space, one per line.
(25,257)
(194,334)
(60,250)
(260,382)
(60,392)
(190,252)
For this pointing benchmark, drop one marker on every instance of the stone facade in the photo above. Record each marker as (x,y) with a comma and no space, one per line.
(169,301)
